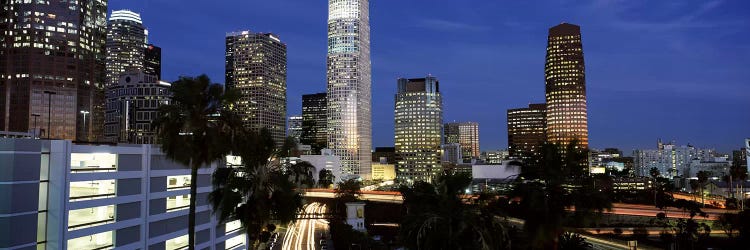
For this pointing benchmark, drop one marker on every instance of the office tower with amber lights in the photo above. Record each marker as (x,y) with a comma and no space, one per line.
(467,135)
(152,60)
(314,121)
(256,69)
(565,85)
(526,130)
(126,41)
(52,68)
(349,76)
(418,129)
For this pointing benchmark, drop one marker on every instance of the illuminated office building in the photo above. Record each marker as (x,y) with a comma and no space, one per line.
(152,61)
(526,130)
(256,69)
(295,127)
(467,135)
(314,119)
(52,68)
(418,127)
(126,41)
(349,76)
(132,106)
(565,85)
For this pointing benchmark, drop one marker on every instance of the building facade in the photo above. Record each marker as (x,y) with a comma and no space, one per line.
(527,130)
(314,121)
(672,160)
(418,128)
(565,86)
(256,68)
(82,196)
(495,156)
(52,68)
(152,60)
(132,105)
(295,127)
(451,153)
(126,44)
(349,78)
(466,134)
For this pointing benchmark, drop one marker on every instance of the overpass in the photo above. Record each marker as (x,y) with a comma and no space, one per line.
(617,208)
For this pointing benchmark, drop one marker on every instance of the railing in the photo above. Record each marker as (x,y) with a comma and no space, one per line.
(177,208)
(91,224)
(92,197)
(93,169)
(110,246)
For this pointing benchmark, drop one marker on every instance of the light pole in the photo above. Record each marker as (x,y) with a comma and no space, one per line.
(84,112)
(35,128)
(49,112)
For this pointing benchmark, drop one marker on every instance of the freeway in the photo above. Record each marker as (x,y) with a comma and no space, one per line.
(305,234)
(617,208)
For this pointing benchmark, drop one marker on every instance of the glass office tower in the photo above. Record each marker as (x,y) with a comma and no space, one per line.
(256,69)
(52,68)
(565,76)
(418,129)
(126,41)
(349,74)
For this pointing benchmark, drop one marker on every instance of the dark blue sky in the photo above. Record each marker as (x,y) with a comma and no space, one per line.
(676,70)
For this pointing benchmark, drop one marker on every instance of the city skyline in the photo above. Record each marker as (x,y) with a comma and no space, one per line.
(628,80)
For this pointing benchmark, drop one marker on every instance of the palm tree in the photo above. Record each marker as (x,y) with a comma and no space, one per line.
(348,190)
(325,178)
(560,185)
(302,174)
(257,191)
(195,129)
(573,241)
(702,181)
(438,218)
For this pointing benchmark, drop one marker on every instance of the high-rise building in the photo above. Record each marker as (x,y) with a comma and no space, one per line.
(565,86)
(349,76)
(52,68)
(132,105)
(526,130)
(672,160)
(418,127)
(451,153)
(467,135)
(126,42)
(314,121)
(295,127)
(152,60)
(747,152)
(256,69)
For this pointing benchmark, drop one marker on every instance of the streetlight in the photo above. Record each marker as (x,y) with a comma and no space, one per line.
(84,112)
(35,128)
(49,112)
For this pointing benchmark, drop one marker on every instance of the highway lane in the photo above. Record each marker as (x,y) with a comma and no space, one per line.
(304,234)
(618,208)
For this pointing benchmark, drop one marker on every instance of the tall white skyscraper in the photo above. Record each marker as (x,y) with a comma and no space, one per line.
(126,42)
(349,109)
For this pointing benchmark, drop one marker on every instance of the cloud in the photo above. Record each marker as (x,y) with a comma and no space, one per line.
(447,25)
(693,18)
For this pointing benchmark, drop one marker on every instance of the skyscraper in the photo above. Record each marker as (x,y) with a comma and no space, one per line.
(565,86)
(467,135)
(526,130)
(52,68)
(256,68)
(126,41)
(295,127)
(314,119)
(418,127)
(152,60)
(132,105)
(348,70)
